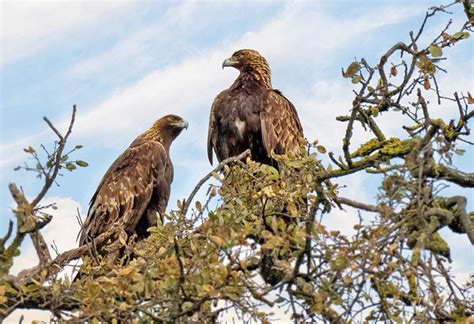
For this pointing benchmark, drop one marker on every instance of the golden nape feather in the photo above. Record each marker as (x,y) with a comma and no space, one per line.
(136,187)
(251,114)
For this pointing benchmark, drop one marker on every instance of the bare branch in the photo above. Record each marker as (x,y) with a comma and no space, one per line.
(357,204)
(186,204)
(49,180)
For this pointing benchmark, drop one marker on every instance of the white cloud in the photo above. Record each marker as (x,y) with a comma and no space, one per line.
(12,152)
(62,232)
(29,26)
(137,47)
(194,82)
(311,36)
(28,316)
(190,85)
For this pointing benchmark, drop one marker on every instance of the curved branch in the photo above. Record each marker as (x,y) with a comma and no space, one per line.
(64,258)
(49,179)
(357,204)
(187,202)
(458,177)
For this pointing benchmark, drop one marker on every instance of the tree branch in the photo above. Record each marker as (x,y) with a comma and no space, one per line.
(187,202)
(357,204)
(49,179)
(440,171)
(64,258)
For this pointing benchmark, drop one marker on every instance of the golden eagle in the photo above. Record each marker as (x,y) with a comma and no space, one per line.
(251,114)
(136,186)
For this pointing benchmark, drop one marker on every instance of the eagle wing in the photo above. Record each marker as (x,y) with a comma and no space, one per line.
(126,189)
(212,130)
(280,124)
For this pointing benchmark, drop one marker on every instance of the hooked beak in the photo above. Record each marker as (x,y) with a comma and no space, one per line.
(184,124)
(229,62)
(181,124)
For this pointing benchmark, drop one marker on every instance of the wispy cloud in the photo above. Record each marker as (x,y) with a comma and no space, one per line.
(189,86)
(29,26)
(137,47)
(60,232)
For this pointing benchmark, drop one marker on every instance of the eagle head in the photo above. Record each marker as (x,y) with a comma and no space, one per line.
(249,61)
(167,128)
(246,59)
(173,123)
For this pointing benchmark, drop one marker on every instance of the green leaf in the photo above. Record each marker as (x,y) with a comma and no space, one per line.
(78,147)
(321,149)
(267,245)
(375,111)
(459,152)
(187,305)
(82,163)
(70,166)
(216,176)
(347,280)
(435,51)
(426,65)
(338,263)
(292,209)
(216,240)
(461,35)
(356,79)
(29,149)
(352,69)
(274,171)
(266,234)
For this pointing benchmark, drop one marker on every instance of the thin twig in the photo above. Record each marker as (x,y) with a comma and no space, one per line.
(221,165)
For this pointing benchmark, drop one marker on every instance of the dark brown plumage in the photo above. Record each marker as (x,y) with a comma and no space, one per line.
(137,185)
(251,114)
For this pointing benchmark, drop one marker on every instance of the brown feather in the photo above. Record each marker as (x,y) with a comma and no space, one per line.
(251,114)
(137,185)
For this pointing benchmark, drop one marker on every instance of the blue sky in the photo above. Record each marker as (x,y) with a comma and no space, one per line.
(125,64)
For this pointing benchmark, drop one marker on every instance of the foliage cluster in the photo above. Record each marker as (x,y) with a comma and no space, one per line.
(202,262)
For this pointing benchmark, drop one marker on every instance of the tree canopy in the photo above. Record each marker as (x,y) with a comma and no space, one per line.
(203,260)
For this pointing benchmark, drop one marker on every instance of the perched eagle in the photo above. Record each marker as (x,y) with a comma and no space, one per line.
(251,114)
(137,185)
